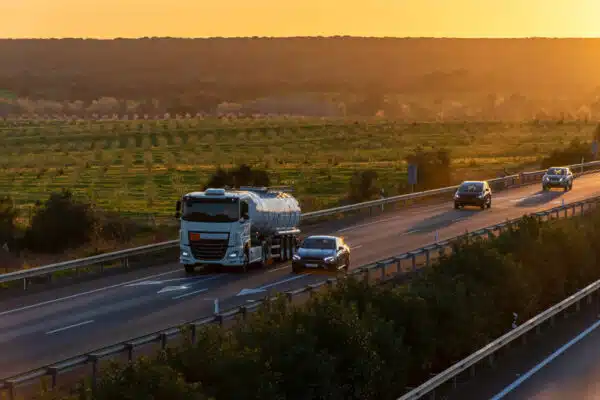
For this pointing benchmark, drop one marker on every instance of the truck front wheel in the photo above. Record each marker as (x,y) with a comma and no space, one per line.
(246,262)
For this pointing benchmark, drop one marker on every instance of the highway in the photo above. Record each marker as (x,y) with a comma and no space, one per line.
(46,327)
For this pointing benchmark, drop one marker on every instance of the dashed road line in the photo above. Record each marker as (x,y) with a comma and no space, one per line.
(64,328)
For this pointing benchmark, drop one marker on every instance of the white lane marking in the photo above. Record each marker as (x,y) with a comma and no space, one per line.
(358,246)
(280,268)
(181,296)
(409,232)
(459,219)
(292,278)
(262,288)
(73,296)
(150,282)
(64,328)
(545,362)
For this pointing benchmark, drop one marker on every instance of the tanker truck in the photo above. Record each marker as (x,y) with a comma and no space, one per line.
(237,228)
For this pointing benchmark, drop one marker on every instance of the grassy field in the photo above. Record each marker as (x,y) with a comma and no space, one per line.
(140,167)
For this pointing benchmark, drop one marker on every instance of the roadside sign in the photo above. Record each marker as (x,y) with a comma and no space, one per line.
(412,174)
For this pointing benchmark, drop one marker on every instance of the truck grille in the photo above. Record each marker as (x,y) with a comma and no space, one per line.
(207,249)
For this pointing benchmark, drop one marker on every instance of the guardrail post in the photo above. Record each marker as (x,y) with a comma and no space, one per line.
(491,360)
(11,390)
(414,262)
(582,208)
(125,262)
(129,348)
(427,258)
(24,283)
(365,272)
(163,341)
(193,332)
(54,375)
(94,360)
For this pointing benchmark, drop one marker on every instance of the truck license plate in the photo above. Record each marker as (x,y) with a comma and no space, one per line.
(312,265)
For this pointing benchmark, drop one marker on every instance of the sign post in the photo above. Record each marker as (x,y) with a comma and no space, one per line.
(412,176)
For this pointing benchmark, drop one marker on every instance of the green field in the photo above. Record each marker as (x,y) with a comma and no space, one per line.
(140,167)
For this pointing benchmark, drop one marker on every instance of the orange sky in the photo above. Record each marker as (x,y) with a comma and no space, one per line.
(202,18)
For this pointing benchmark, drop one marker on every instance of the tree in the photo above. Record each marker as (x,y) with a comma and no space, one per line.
(363,186)
(433,168)
(244,175)
(8,215)
(60,223)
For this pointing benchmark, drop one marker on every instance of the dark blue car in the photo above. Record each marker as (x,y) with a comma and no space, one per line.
(328,253)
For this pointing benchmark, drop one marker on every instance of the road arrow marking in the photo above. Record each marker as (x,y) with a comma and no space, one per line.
(172,288)
(245,292)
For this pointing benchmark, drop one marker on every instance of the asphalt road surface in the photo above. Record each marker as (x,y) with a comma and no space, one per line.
(43,328)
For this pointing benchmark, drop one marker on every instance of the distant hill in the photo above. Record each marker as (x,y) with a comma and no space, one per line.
(202,73)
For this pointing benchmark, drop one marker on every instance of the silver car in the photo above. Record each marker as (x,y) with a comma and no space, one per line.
(558,177)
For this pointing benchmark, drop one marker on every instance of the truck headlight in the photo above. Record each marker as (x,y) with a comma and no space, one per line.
(185,254)
(296,257)
(233,255)
(329,259)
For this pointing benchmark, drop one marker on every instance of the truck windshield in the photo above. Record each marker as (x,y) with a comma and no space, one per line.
(211,210)
(321,244)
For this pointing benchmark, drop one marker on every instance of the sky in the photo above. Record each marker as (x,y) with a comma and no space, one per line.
(209,18)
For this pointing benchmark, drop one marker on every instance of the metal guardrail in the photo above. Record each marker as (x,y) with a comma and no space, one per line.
(377,272)
(123,255)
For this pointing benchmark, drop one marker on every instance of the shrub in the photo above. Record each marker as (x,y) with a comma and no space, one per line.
(60,223)
(244,175)
(8,215)
(434,168)
(363,186)
(572,154)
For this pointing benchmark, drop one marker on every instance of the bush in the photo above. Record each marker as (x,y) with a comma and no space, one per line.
(244,175)
(60,223)
(363,186)
(434,168)
(8,215)
(572,154)
(362,342)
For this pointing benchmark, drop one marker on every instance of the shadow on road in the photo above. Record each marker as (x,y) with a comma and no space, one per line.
(443,220)
(540,198)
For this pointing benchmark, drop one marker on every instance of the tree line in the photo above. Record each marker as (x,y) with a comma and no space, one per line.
(197,75)
(358,341)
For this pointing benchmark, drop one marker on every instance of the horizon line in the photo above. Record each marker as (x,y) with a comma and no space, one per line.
(97,38)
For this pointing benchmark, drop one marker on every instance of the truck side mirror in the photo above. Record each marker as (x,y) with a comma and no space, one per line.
(177,214)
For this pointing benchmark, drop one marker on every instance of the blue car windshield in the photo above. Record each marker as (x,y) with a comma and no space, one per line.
(321,244)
